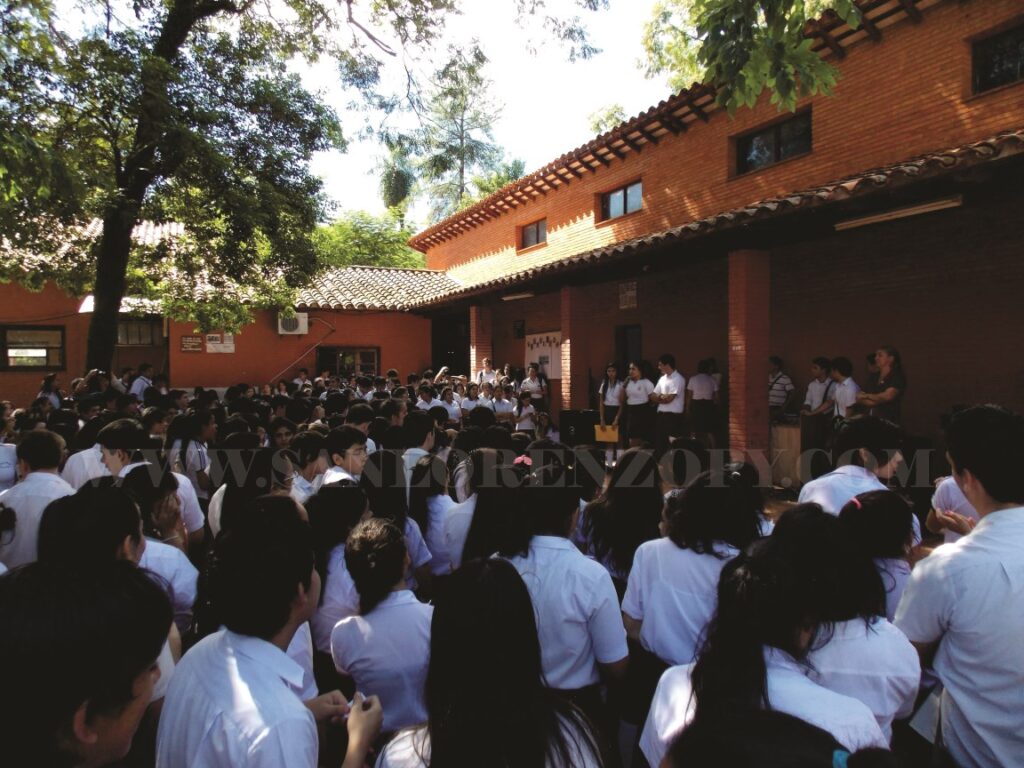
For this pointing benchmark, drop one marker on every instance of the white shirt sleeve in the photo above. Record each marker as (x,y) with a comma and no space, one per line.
(418,552)
(925,610)
(633,600)
(191,514)
(292,743)
(605,623)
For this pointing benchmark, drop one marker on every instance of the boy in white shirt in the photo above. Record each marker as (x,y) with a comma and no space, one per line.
(346,452)
(669,395)
(235,697)
(846,389)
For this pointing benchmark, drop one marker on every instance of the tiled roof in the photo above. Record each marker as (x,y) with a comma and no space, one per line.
(130,305)
(933,164)
(375,288)
(829,36)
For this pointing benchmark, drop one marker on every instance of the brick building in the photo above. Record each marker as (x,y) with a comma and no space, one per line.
(886,213)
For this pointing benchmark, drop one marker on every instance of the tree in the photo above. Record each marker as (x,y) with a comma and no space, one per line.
(743,47)
(456,140)
(487,184)
(604,120)
(360,238)
(184,111)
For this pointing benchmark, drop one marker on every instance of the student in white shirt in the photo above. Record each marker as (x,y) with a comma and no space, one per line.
(964,606)
(79,649)
(449,404)
(639,411)
(583,642)
(346,455)
(386,648)
(846,389)
(9,466)
(880,525)
(856,652)
(429,506)
(333,512)
(503,405)
(488,375)
(360,416)
(497,508)
(419,436)
(869,452)
(427,398)
(820,391)
(38,454)
(951,514)
(460,517)
(141,382)
(669,395)
(611,397)
(487,703)
(187,438)
(235,697)
(535,386)
(310,450)
(524,413)
(751,660)
(701,403)
(472,400)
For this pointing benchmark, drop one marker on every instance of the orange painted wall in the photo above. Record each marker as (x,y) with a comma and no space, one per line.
(262,354)
(903,96)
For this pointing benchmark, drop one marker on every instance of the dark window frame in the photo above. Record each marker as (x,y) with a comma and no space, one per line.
(5,349)
(983,44)
(741,143)
(604,198)
(154,332)
(535,225)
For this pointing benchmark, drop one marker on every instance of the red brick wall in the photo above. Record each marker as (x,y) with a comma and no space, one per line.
(261,353)
(945,289)
(749,334)
(905,95)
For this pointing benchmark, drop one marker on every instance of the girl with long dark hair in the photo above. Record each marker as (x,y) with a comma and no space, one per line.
(611,396)
(386,647)
(751,659)
(487,703)
(188,436)
(429,505)
(639,411)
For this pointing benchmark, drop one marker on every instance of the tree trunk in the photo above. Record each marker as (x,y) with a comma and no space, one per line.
(112,253)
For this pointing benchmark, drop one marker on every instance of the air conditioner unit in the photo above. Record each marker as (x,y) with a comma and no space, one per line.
(295,325)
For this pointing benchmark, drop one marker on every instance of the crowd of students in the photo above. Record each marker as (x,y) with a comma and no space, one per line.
(349,572)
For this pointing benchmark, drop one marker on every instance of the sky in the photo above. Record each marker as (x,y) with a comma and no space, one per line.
(547,100)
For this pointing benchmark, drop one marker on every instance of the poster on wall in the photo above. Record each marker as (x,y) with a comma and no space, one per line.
(191,343)
(545,349)
(220,342)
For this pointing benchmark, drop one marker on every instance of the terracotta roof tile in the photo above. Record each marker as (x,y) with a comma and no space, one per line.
(375,288)
(1000,146)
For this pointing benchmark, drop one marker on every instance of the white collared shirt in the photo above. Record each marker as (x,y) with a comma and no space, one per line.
(180,578)
(895,573)
(533,386)
(419,553)
(84,466)
(610,394)
(438,508)
(817,391)
(234,701)
(969,597)
(524,421)
(427,406)
(215,509)
(949,498)
(702,386)
(503,406)
(874,664)
(789,691)
(337,475)
(139,387)
(300,650)
(674,592)
(456,528)
(834,490)
(578,617)
(340,599)
(302,488)
(387,652)
(671,384)
(195,460)
(29,500)
(638,392)
(845,395)
(454,411)
(191,513)
(409,459)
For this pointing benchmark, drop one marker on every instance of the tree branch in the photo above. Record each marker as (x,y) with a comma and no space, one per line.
(369,35)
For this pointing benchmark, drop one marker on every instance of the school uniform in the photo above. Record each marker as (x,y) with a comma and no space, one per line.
(524,419)
(196,460)
(179,578)
(387,652)
(702,388)
(669,416)
(789,690)
(336,475)
(639,411)
(578,618)
(215,510)
(673,591)
(456,528)
(191,513)
(503,407)
(8,466)
(834,490)
(454,410)
(301,488)
(968,597)
(29,499)
(845,395)
(895,573)
(486,377)
(439,507)
(419,553)
(340,599)
(235,701)
(139,387)
(818,392)
(874,664)
(300,650)
(611,397)
(84,466)
(534,387)
(427,405)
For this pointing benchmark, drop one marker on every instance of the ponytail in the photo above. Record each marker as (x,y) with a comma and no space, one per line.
(375,558)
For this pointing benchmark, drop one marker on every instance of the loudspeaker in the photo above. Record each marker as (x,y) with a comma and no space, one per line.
(577,427)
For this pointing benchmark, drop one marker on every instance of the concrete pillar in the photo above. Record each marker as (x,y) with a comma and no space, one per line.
(481,338)
(574,329)
(749,340)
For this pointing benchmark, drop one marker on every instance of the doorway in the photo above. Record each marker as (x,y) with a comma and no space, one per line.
(449,341)
(627,345)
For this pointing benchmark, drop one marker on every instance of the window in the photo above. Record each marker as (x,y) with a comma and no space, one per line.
(534,234)
(38,348)
(360,361)
(621,201)
(774,144)
(135,333)
(998,60)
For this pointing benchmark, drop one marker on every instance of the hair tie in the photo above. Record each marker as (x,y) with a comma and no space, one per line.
(856,502)
(525,460)
(839,758)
